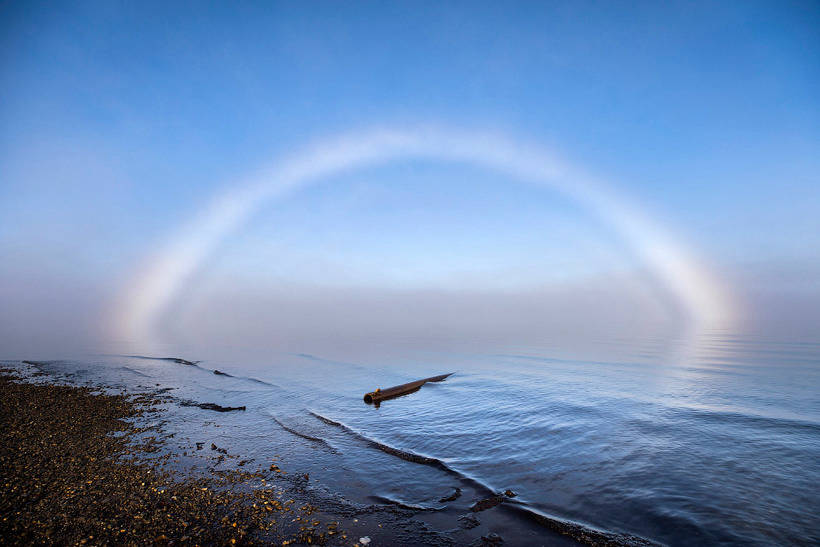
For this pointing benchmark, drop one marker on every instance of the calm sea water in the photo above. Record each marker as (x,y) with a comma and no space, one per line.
(714,442)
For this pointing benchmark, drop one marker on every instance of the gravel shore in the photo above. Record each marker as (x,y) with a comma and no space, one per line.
(72,472)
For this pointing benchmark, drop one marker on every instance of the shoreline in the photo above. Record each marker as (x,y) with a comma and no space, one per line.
(75,469)
(95,464)
(85,465)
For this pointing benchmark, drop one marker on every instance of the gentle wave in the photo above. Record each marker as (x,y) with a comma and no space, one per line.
(305,435)
(406,455)
(177,360)
(578,532)
(258,381)
(789,425)
(404,505)
(134,371)
(403,454)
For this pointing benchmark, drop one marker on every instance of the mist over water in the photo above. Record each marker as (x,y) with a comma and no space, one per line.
(679,440)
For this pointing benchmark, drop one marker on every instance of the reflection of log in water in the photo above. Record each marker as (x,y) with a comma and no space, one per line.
(375,397)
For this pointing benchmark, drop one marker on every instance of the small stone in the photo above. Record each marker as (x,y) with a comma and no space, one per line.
(487,503)
(468,521)
(452,497)
(491,540)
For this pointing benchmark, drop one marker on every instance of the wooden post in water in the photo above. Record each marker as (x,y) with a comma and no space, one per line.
(375,397)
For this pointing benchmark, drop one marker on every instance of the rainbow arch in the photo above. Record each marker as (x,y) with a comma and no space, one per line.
(163,274)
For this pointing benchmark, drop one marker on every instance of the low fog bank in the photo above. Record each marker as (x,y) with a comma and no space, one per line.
(45,316)
(323,319)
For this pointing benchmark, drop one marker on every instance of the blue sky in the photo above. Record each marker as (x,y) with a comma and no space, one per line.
(121,119)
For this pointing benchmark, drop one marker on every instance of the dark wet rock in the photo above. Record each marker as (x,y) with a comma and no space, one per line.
(509,493)
(181,361)
(468,521)
(200,445)
(452,497)
(589,536)
(212,406)
(218,408)
(220,373)
(487,503)
(490,540)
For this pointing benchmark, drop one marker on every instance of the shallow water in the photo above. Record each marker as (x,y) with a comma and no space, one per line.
(709,442)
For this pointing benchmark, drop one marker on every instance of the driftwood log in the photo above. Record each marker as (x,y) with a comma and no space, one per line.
(375,397)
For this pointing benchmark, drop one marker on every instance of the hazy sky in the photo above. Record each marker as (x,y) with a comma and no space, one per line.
(120,120)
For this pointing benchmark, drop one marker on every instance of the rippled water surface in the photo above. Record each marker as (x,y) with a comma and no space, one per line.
(715,441)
